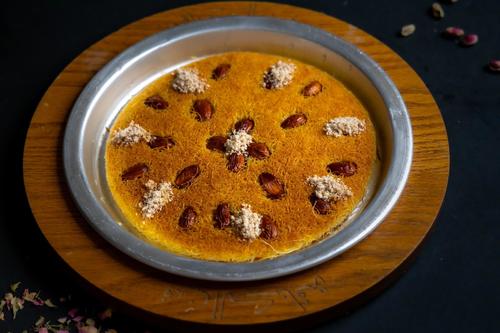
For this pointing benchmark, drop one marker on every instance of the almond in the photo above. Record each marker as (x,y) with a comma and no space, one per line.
(221,71)
(321,206)
(156,102)
(235,162)
(162,142)
(188,218)
(271,185)
(294,120)
(217,143)
(135,171)
(222,216)
(186,176)
(268,228)
(343,168)
(258,150)
(312,89)
(203,108)
(246,125)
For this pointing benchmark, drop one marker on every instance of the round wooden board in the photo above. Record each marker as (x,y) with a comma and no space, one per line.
(351,276)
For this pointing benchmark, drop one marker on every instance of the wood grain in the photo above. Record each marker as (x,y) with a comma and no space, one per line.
(330,285)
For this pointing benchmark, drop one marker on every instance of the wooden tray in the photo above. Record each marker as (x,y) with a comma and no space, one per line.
(351,277)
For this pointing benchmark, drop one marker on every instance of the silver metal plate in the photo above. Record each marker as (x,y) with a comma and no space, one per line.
(111,88)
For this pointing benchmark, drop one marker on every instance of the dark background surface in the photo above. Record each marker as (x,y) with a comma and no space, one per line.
(453,284)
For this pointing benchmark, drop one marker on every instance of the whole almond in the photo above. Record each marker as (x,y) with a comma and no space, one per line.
(221,71)
(135,171)
(321,206)
(258,150)
(156,102)
(186,176)
(271,185)
(343,168)
(312,89)
(222,216)
(294,120)
(236,162)
(161,142)
(268,228)
(246,125)
(217,143)
(188,218)
(204,109)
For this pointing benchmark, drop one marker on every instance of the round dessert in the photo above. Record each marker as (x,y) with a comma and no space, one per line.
(240,156)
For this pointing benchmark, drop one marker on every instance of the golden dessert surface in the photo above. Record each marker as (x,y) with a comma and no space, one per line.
(296,153)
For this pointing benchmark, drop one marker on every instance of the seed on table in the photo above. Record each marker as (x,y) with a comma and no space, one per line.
(469,40)
(437,10)
(408,30)
(453,32)
(494,65)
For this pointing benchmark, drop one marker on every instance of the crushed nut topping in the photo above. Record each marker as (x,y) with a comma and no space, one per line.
(279,75)
(246,222)
(329,188)
(188,81)
(238,142)
(349,126)
(158,195)
(130,135)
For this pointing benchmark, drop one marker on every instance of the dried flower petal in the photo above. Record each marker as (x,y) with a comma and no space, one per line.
(77,319)
(408,30)
(16,305)
(494,65)
(62,320)
(49,303)
(469,39)
(40,321)
(437,10)
(453,32)
(43,330)
(14,286)
(2,316)
(87,329)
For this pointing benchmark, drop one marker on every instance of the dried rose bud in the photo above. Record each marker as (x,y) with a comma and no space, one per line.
(453,32)
(469,40)
(407,30)
(437,11)
(494,65)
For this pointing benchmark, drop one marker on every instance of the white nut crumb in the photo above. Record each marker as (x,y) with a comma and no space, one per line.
(238,142)
(155,198)
(130,135)
(329,187)
(279,75)
(188,81)
(247,223)
(349,126)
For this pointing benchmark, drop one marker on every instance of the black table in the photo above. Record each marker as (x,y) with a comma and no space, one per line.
(453,285)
